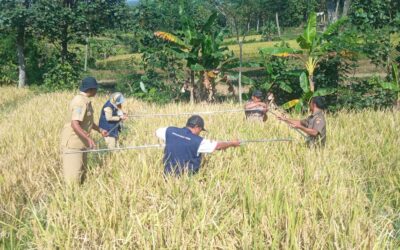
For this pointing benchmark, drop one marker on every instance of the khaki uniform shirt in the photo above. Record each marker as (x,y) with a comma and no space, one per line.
(316,121)
(80,109)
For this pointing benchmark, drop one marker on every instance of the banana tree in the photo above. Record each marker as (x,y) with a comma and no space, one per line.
(204,55)
(277,70)
(301,103)
(311,53)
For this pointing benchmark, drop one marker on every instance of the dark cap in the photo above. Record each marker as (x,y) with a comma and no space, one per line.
(88,83)
(195,120)
(257,93)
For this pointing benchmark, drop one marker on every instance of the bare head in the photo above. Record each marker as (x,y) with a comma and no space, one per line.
(317,103)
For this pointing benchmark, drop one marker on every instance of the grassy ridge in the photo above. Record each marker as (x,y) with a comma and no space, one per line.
(262,195)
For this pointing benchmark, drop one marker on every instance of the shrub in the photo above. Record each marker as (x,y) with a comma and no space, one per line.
(364,94)
(149,87)
(62,76)
(269,31)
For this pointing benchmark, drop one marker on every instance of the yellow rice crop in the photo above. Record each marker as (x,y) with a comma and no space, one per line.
(276,195)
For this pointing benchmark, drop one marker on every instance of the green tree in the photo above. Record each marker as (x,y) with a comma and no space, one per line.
(65,21)
(377,22)
(15,20)
(153,15)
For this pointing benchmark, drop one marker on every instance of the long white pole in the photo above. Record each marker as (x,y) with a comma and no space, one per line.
(242,142)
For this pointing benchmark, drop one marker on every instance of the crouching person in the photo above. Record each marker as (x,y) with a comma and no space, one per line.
(111,117)
(314,125)
(256,109)
(184,147)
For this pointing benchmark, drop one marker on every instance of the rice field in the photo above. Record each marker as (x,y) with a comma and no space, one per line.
(251,51)
(266,195)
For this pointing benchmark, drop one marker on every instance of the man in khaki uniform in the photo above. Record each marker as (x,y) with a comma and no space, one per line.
(314,125)
(76,132)
(255,109)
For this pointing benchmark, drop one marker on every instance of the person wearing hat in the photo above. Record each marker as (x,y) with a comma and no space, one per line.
(255,109)
(314,125)
(111,117)
(184,146)
(76,132)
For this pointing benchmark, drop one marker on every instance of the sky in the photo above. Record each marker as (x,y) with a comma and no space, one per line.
(132,1)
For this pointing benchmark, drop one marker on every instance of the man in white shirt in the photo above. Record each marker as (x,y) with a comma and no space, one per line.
(184,146)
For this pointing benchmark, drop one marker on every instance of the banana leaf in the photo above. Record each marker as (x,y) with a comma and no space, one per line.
(247,80)
(197,67)
(395,71)
(299,107)
(170,38)
(307,39)
(335,26)
(267,85)
(142,87)
(291,104)
(285,87)
(390,86)
(323,92)
(210,22)
(304,82)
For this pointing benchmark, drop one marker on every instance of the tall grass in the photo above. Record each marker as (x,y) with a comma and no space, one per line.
(277,195)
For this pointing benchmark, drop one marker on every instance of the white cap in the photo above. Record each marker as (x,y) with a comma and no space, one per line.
(117,98)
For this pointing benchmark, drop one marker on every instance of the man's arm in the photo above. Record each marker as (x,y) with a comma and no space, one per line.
(252,105)
(316,128)
(287,120)
(109,115)
(308,131)
(299,124)
(225,145)
(103,132)
(76,126)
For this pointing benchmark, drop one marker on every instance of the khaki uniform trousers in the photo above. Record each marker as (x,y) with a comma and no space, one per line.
(74,167)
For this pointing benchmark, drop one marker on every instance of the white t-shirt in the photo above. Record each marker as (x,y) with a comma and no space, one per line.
(206,146)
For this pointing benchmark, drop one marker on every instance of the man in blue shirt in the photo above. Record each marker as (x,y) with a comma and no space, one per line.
(184,146)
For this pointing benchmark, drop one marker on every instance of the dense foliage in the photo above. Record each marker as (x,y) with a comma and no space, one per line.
(53,43)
